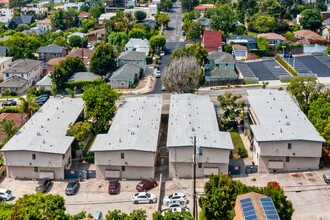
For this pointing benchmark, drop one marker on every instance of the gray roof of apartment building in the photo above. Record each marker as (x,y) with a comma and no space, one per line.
(221,57)
(46,130)
(51,48)
(132,55)
(134,127)
(279,118)
(13,82)
(22,66)
(126,72)
(84,76)
(194,115)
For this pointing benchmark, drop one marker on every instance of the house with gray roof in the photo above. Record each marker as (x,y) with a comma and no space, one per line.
(129,148)
(139,45)
(51,51)
(45,83)
(244,40)
(193,116)
(14,84)
(41,147)
(132,57)
(220,67)
(23,19)
(125,76)
(204,22)
(282,139)
(84,76)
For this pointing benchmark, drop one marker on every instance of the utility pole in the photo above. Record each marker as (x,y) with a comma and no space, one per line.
(194,183)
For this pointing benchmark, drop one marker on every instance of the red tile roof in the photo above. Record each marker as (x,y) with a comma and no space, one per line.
(212,40)
(204,7)
(4,1)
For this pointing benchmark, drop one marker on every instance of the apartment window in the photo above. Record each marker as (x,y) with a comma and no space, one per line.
(200,165)
(36,169)
(33,156)
(123,168)
(122,155)
(7,74)
(289,146)
(287,159)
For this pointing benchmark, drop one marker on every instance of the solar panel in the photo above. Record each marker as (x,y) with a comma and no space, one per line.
(248,209)
(269,209)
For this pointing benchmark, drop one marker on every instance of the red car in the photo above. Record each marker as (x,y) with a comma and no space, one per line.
(274,184)
(145,185)
(114,187)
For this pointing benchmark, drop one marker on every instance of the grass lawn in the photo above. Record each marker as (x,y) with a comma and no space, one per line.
(237,141)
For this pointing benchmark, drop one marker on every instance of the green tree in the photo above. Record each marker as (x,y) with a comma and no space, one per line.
(27,106)
(220,195)
(119,39)
(140,15)
(64,19)
(116,215)
(194,32)
(272,8)
(156,42)
(100,105)
(16,3)
(262,43)
(188,5)
(262,23)
(246,8)
(183,75)
(305,90)
(9,128)
(137,33)
(162,18)
(183,215)
(81,132)
(23,27)
(22,46)
(75,41)
(195,50)
(290,36)
(320,5)
(5,210)
(95,11)
(224,19)
(65,69)
(311,19)
(38,206)
(104,59)
(60,41)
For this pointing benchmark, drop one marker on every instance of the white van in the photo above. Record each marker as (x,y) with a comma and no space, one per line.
(5,194)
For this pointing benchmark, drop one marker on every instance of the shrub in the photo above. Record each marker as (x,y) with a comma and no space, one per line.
(286,65)
(5,93)
(13,93)
(242,152)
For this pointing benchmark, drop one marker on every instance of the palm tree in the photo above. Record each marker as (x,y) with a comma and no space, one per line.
(27,106)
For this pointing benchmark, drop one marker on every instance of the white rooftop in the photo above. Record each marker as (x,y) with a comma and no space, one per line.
(46,129)
(194,115)
(279,118)
(134,127)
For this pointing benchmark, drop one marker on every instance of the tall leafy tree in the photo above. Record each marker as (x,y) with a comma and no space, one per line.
(169,215)
(246,8)
(100,105)
(195,50)
(231,107)
(140,15)
(194,32)
(9,128)
(81,132)
(311,19)
(225,19)
(188,5)
(95,11)
(104,59)
(262,23)
(183,75)
(271,7)
(119,39)
(157,41)
(137,33)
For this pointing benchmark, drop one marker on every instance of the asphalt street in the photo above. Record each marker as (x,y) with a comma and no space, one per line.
(173,41)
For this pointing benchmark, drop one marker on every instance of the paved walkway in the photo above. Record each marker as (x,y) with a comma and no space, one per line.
(246,142)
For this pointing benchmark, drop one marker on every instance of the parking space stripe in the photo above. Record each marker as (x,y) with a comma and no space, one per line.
(292,181)
(307,178)
(317,173)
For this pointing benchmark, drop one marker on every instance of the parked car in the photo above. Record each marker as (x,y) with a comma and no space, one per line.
(145,185)
(43,185)
(43,95)
(177,204)
(143,197)
(114,187)
(97,215)
(9,102)
(180,197)
(158,75)
(326,177)
(72,187)
(176,209)
(274,184)
(5,194)
(162,53)
(183,33)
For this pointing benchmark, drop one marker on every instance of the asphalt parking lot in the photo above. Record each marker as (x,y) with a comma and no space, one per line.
(308,192)
(317,64)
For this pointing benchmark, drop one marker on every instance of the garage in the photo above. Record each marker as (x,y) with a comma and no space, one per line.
(46,174)
(211,171)
(112,174)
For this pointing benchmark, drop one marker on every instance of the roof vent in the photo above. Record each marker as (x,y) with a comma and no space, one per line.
(281,130)
(281,109)
(38,133)
(119,140)
(287,123)
(132,133)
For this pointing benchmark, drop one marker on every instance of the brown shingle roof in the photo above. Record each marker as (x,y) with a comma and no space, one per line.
(55,61)
(83,14)
(44,21)
(98,31)
(84,54)
(271,36)
(239,47)
(308,35)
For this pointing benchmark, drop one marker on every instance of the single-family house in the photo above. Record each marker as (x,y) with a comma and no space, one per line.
(132,57)
(244,40)
(139,45)
(83,15)
(283,139)
(52,62)
(312,42)
(30,70)
(254,205)
(14,84)
(273,38)
(34,30)
(3,51)
(6,15)
(193,117)
(74,5)
(203,7)
(204,22)
(124,77)
(81,35)
(220,67)
(212,41)
(133,10)
(84,54)
(240,52)
(106,16)
(45,83)
(308,35)
(51,51)
(23,19)
(4,64)
(45,24)
(41,147)
(128,150)
(4,3)
(97,35)
(84,76)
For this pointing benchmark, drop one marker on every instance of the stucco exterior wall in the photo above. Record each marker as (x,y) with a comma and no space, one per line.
(21,172)
(130,172)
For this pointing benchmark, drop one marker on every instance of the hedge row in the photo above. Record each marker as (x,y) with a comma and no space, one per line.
(286,65)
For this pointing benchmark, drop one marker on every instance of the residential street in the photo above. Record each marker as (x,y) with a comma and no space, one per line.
(174,40)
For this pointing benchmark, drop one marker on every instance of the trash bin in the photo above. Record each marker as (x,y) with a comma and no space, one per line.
(84,174)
